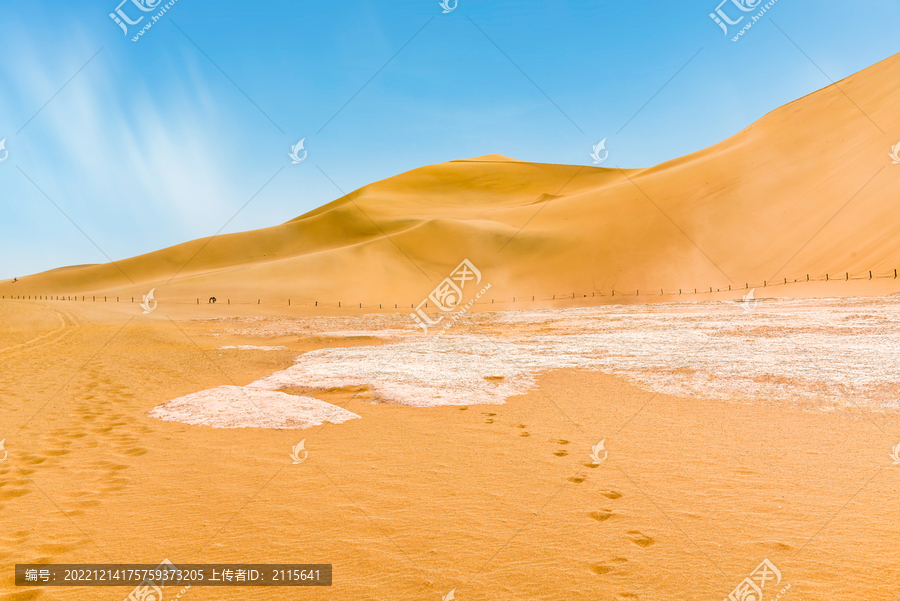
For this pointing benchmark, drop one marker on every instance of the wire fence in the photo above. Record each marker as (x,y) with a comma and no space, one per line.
(515,299)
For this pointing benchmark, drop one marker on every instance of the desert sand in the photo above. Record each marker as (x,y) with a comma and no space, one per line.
(498,500)
(610,420)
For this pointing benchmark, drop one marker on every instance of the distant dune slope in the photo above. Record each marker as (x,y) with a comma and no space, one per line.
(807,189)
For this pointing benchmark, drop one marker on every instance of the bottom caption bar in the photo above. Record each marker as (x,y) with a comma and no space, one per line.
(155,577)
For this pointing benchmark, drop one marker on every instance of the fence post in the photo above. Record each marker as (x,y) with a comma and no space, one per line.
(847,273)
(870,274)
(826,277)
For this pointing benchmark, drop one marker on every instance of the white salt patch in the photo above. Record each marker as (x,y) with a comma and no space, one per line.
(381,326)
(244,407)
(451,370)
(252,347)
(389,333)
(833,351)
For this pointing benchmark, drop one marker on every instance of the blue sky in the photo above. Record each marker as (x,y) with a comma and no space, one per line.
(155,142)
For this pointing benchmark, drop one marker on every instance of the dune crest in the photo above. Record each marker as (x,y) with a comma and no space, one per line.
(806,189)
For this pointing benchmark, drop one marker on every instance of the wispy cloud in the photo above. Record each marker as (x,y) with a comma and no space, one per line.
(118,157)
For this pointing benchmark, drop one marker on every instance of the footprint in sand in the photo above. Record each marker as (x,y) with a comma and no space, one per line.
(27,595)
(602,515)
(561,452)
(54,549)
(609,566)
(577,479)
(641,540)
(135,452)
(13,493)
(611,494)
(525,434)
(55,453)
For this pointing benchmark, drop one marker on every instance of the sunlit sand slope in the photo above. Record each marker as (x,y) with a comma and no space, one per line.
(807,189)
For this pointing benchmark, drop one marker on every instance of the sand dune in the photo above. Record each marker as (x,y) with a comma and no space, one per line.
(804,190)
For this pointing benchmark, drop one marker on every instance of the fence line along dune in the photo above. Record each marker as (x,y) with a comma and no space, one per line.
(612,294)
